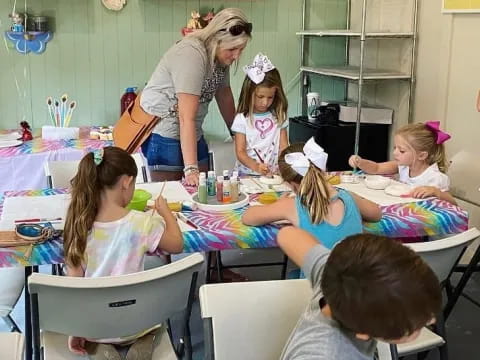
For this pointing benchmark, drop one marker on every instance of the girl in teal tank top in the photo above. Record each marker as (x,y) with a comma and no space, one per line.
(328,213)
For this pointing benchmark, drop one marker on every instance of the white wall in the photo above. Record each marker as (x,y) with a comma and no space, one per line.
(448,81)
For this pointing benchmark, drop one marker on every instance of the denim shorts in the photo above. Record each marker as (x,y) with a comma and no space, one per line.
(165,154)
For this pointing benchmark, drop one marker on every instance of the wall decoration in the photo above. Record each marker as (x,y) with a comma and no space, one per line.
(461,6)
(115,5)
(30,41)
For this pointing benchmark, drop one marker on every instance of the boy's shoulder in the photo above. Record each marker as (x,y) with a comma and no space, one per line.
(318,337)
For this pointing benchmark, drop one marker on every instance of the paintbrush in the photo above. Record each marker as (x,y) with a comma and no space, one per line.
(63,109)
(71,107)
(57,113)
(261,160)
(161,191)
(50,109)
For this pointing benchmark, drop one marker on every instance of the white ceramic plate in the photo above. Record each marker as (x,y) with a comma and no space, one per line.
(10,136)
(10,143)
(275,180)
(398,190)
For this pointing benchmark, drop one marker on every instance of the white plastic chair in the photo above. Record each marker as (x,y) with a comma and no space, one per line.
(12,281)
(112,307)
(59,173)
(251,320)
(12,346)
(442,256)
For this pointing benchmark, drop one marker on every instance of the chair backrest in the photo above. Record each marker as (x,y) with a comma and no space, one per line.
(442,255)
(251,320)
(142,176)
(223,155)
(117,306)
(11,286)
(59,173)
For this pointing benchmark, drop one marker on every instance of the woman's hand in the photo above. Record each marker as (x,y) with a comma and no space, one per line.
(191,178)
(77,345)
(262,169)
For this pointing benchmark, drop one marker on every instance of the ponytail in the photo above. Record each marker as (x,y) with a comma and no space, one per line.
(96,172)
(82,211)
(313,187)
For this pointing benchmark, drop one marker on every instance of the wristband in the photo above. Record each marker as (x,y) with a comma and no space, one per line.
(190,168)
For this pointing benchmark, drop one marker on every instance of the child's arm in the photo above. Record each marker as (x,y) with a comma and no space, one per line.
(282,209)
(283,139)
(370,211)
(296,243)
(372,167)
(423,192)
(172,239)
(242,156)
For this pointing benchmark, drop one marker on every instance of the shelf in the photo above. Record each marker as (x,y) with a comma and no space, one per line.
(29,41)
(353,73)
(353,33)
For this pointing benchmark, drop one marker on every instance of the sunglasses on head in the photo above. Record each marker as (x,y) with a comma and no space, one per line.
(236,30)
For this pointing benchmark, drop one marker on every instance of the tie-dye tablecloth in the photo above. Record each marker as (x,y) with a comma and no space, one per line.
(21,167)
(224,230)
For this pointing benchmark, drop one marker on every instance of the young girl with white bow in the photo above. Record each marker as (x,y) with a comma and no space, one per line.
(328,213)
(261,123)
(419,160)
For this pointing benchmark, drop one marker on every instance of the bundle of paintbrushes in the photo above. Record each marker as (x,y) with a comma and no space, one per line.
(60,113)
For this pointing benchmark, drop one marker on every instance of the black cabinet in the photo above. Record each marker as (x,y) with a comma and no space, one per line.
(338,140)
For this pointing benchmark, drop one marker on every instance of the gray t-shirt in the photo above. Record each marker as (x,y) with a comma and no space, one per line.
(185,68)
(317,337)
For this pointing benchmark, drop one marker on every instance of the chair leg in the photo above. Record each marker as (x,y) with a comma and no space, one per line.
(219,266)
(472,300)
(209,265)
(11,324)
(284,267)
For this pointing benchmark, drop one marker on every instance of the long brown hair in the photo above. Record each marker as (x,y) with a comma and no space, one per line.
(87,186)
(280,103)
(313,187)
(423,139)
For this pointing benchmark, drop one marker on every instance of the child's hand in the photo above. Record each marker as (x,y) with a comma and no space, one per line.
(354,161)
(262,169)
(423,192)
(77,345)
(161,205)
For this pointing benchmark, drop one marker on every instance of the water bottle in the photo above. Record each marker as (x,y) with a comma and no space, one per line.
(127,99)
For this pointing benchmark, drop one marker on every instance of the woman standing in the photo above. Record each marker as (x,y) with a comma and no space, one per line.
(189,75)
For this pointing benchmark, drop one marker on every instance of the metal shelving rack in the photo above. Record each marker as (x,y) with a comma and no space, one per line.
(359,73)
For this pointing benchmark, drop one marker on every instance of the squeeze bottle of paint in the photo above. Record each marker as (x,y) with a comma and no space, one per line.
(211,189)
(220,188)
(234,189)
(202,190)
(227,196)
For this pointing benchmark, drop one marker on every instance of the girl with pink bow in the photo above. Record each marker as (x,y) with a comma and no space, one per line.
(419,160)
(327,213)
(260,124)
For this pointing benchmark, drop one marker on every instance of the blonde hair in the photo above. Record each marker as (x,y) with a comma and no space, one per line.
(247,96)
(216,35)
(313,187)
(87,187)
(421,138)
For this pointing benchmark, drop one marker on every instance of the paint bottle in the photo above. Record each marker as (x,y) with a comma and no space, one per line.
(220,189)
(225,175)
(202,190)
(235,174)
(227,195)
(234,189)
(211,188)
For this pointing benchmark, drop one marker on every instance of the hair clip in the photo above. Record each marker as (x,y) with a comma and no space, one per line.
(98,156)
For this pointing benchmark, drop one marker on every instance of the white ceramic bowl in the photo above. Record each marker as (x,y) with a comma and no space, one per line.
(377,182)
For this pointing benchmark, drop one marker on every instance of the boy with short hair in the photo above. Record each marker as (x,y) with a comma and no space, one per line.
(368,287)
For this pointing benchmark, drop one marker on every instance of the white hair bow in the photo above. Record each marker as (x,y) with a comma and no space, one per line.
(312,152)
(256,71)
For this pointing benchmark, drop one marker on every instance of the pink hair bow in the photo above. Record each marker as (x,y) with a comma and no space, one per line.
(434,126)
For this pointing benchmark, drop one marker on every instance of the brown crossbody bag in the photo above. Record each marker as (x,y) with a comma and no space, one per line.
(134,127)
